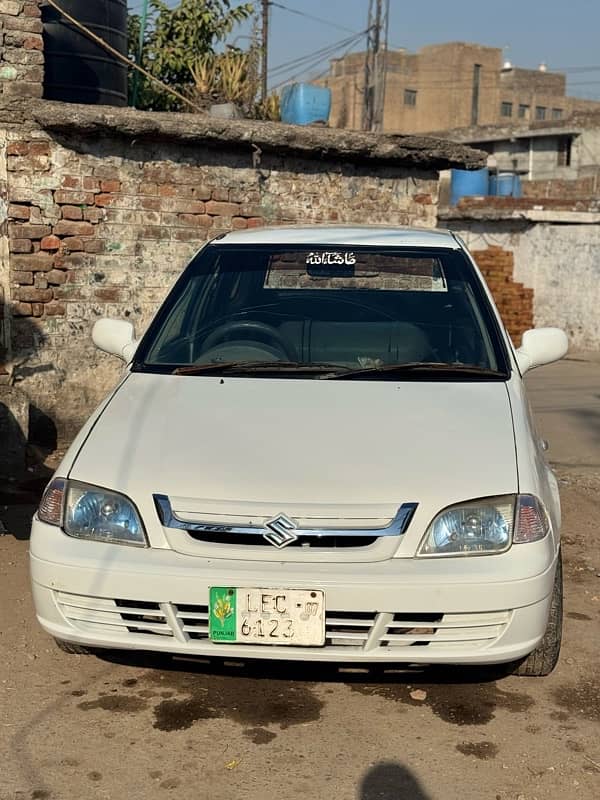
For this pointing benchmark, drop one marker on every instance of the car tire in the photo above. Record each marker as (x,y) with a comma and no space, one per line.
(73,649)
(545,657)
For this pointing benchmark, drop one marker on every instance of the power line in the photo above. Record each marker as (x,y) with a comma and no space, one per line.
(324,51)
(310,56)
(324,73)
(311,16)
(315,62)
(449,82)
(593,68)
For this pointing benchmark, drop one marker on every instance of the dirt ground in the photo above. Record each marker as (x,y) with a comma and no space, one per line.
(74,727)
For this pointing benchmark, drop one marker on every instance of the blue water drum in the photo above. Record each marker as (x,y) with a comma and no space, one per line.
(304,104)
(468,183)
(506,184)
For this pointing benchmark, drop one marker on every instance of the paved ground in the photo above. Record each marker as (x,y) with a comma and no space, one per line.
(76,727)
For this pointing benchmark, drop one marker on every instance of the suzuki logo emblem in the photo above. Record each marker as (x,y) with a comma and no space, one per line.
(281,531)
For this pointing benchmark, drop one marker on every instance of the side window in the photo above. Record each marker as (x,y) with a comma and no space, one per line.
(173,342)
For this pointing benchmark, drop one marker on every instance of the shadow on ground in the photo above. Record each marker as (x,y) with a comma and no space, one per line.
(312,671)
(390,781)
(19,500)
(263,696)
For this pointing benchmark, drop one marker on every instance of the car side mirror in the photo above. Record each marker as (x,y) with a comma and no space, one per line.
(115,336)
(541,346)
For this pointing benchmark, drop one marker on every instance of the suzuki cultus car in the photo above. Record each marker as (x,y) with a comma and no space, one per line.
(320,449)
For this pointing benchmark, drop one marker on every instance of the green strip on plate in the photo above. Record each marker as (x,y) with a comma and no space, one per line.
(222,614)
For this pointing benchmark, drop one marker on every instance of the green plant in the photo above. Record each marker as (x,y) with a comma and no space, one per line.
(205,74)
(229,77)
(234,76)
(271,108)
(174,41)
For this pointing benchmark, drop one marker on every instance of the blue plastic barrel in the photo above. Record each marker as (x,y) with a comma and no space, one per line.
(506,184)
(468,183)
(304,103)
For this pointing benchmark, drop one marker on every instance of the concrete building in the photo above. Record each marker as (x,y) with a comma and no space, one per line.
(453,85)
(564,150)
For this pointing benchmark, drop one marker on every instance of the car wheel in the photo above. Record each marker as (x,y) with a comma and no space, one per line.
(73,649)
(545,657)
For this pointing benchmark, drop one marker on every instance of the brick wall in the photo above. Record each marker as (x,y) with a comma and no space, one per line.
(488,207)
(101,208)
(578,189)
(514,300)
(101,226)
(559,259)
(21,49)
(21,76)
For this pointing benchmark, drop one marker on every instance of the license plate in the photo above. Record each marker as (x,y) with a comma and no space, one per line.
(267,616)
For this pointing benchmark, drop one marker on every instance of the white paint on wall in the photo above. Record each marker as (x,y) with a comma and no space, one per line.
(561,263)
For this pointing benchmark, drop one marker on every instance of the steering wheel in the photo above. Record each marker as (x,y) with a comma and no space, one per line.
(247,329)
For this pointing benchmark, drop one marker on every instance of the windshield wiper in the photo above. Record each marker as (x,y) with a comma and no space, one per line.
(437,368)
(240,367)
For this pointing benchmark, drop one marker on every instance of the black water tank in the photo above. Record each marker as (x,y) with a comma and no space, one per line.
(77,69)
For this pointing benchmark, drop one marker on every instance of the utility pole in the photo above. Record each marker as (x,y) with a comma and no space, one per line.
(372,63)
(265,49)
(381,67)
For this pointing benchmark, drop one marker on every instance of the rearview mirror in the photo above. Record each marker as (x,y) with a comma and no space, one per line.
(541,346)
(115,336)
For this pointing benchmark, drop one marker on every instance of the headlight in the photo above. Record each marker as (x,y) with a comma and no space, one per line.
(487,526)
(477,528)
(89,512)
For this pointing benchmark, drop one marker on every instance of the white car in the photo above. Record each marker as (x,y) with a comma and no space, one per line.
(321,449)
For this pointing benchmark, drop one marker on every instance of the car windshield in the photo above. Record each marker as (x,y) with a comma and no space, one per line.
(326,311)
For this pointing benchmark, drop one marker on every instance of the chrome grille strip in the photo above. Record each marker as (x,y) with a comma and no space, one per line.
(114,615)
(459,636)
(170,520)
(346,630)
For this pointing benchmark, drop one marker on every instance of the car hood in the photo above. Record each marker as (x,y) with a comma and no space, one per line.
(311,448)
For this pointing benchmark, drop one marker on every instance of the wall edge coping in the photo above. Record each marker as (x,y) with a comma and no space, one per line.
(531,215)
(312,142)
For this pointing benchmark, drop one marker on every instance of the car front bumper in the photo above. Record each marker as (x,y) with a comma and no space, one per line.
(412,611)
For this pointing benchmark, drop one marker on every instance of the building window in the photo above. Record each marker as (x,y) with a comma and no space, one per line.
(506,109)
(410,97)
(523,111)
(540,112)
(564,151)
(557,113)
(475,96)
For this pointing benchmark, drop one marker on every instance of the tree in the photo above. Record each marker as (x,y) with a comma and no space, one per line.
(174,40)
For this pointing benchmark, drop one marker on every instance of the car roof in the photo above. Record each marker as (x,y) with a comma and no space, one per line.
(376,235)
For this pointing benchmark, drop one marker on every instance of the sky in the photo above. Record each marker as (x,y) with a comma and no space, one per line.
(564,35)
